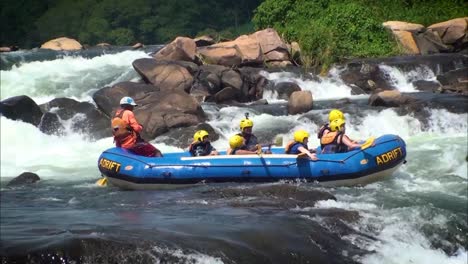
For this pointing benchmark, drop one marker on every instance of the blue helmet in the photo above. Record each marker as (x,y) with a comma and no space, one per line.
(127,101)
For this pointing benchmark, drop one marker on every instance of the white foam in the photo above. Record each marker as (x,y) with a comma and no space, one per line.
(74,77)
(197,258)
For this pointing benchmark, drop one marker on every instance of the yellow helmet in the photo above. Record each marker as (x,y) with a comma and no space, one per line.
(336,124)
(335,114)
(236,141)
(199,135)
(245,123)
(300,135)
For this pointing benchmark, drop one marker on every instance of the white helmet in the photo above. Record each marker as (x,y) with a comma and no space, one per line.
(127,101)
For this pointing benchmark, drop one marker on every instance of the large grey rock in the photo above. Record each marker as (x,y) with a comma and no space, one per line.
(300,102)
(85,117)
(166,75)
(285,89)
(21,108)
(391,98)
(50,124)
(181,48)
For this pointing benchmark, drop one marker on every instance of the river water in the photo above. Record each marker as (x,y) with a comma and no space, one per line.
(419,215)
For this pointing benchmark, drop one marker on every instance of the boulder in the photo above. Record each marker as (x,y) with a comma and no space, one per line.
(231,78)
(83,116)
(365,76)
(300,102)
(248,47)
(269,40)
(181,48)
(452,30)
(24,178)
(285,89)
(138,46)
(166,75)
(428,86)
(221,55)
(107,99)
(405,38)
(254,83)
(203,41)
(62,43)
(279,64)
(209,78)
(227,94)
(429,42)
(21,108)
(391,98)
(453,76)
(104,45)
(403,26)
(50,124)
(5,49)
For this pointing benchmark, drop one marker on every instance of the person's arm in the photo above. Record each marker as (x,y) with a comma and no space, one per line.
(245,152)
(348,142)
(312,156)
(132,122)
(213,151)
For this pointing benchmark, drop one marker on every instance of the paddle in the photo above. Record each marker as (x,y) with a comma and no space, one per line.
(277,143)
(102,182)
(368,143)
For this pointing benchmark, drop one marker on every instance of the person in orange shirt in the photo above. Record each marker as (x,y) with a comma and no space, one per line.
(126,130)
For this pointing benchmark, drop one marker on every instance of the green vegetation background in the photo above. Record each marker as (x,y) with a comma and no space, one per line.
(29,23)
(327,30)
(333,30)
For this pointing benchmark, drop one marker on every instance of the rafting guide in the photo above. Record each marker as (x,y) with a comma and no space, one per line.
(126,130)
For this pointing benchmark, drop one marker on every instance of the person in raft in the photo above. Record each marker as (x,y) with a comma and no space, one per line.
(250,140)
(201,145)
(126,131)
(237,146)
(333,115)
(336,141)
(299,145)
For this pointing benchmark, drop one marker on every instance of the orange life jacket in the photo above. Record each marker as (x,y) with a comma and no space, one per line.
(322,130)
(120,128)
(329,143)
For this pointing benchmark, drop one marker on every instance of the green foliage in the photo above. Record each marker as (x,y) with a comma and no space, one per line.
(28,23)
(333,30)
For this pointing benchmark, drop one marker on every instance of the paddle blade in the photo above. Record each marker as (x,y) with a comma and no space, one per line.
(369,142)
(102,182)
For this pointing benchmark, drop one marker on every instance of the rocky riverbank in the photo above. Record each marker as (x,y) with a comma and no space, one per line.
(187,73)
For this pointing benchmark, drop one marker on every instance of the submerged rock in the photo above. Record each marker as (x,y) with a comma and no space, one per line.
(24,178)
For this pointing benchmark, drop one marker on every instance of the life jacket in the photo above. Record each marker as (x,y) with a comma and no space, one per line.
(329,143)
(120,128)
(200,148)
(292,147)
(322,130)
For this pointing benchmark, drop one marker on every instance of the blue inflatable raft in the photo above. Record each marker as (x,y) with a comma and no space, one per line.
(357,167)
